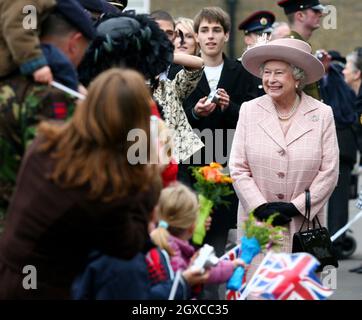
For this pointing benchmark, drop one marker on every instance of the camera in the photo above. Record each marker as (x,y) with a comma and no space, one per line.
(206,258)
(319,54)
(213,97)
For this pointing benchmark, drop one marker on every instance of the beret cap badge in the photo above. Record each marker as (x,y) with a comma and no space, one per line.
(263,21)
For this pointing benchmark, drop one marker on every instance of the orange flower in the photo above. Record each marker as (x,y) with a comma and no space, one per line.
(211,175)
(226,179)
(215,165)
(212,183)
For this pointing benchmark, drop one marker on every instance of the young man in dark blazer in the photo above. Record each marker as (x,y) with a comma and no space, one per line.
(234,85)
(212,26)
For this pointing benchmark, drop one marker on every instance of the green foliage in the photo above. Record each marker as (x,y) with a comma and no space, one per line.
(267,235)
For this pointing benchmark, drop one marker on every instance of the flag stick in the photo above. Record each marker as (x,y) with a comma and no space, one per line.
(248,287)
(346,227)
(67,90)
(175,285)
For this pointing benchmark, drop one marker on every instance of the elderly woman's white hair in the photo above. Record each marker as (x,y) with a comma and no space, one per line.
(356,59)
(298,75)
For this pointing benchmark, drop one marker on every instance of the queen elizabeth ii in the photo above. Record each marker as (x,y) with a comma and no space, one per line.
(285,141)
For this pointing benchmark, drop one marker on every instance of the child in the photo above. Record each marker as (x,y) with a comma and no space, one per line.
(20,47)
(147,276)
(178,208)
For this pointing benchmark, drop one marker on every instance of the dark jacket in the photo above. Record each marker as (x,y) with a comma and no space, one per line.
(240,86)
(336,93)
(358,124)
(55,229)
(62,69)
(110,278)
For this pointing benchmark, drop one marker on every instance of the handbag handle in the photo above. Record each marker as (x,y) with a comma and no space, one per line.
(307,212)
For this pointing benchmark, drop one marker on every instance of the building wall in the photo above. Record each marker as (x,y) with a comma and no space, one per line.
(344,38)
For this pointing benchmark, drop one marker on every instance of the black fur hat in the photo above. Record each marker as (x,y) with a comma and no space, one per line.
(130,41)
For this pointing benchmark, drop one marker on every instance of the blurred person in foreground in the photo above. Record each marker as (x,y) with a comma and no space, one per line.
(77,191)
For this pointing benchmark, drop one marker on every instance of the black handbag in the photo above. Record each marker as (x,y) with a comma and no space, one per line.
(315,241)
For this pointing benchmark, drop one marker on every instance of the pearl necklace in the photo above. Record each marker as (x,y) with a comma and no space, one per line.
(291,112)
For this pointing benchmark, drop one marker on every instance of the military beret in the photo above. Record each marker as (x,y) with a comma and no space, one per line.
(98,6)
(291,6)
(260,21)
(120,4)
(76,15)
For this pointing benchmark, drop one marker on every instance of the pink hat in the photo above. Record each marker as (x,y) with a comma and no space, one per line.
(293,51)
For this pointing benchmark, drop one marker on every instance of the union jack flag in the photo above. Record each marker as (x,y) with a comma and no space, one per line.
(289,277)
(232,255)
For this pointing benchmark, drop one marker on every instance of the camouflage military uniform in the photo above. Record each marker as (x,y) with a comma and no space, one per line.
(23,104)
(313,88)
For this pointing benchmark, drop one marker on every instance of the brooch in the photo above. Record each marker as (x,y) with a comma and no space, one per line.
(314,118)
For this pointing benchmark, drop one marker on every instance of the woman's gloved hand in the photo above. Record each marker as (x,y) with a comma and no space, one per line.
(264,211)
(286,208)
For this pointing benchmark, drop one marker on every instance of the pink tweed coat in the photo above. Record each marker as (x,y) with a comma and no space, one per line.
(267,166)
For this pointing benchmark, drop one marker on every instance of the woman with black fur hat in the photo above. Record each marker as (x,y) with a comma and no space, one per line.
(136,41)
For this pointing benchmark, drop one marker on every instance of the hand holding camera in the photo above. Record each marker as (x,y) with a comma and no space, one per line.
(207,105)
(324,57)
(203,108)
(205,259)
(213,97)
(221,98)
(193,276)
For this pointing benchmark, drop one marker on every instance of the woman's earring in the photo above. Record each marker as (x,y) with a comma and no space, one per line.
(296,86)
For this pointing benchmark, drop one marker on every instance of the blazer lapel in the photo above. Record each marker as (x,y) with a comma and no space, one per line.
(203,85)
(227,75)
(303,121)
(270,123)
(226,78)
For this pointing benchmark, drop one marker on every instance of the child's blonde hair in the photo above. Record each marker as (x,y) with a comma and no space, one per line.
(178,207)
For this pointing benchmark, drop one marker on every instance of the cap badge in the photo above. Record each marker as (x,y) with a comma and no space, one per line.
(263,21)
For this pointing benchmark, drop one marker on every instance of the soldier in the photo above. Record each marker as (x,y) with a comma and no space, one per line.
(304,17)
(23,103)
(254,26)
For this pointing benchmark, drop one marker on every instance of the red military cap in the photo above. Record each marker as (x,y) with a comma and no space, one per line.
(260,21)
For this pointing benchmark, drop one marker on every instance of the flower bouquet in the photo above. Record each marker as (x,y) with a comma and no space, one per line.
(212,186)
(259,236)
